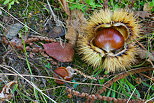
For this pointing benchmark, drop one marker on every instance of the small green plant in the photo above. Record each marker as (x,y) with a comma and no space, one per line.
(152,5)
(84,6)
(35,14)
(9,3)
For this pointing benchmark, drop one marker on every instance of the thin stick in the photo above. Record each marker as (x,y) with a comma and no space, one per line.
(131,95)
(123,75)
(20,21)
(58,22)
(31,83)
(36,76)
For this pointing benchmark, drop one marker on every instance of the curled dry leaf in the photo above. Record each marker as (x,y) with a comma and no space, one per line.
(56,32)
(74,24)
(5,94)
(62,53)
(146,54)
(138,80)
(65,6)
(16,40)
(143,14)
(71,35)
(105,4)
(147,7)
(13,30)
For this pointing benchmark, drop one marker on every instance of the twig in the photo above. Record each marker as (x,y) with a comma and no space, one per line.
(31,83)
(90,77)
(97,96)
(151,78)
(92,97)
(20,21)
(47,77)
(149,100)
(58,22)
(123,75)
(131,95)
(54,88)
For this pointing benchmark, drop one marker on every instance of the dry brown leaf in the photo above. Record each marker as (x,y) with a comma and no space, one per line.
(61,53)
(65,6)
(138,80)
(145,54)
(143,14)
(147,7)
(105,3)
(71,35)
(13,30)
(56,31)
(5,94)
(75,22)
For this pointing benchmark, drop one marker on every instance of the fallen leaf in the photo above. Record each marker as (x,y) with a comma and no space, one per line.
(147,7)
(63,73)
(65,6)
(56,32)
(69,95)
(105,3)
(143,14)
(146,54)
(61,53)
(138,80)
(75,22)
(16,40)
(71,35)
(5,93)
(13,30)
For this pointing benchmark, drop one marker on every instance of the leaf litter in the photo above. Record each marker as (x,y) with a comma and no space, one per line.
(64,52)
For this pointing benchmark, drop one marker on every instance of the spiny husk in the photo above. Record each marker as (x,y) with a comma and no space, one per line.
(110,63)
(107,18)
(123,21)
(121,62)
(89,55)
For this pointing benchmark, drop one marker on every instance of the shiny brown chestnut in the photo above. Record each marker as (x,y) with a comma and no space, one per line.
(105,40)
(108,39)
(65,72)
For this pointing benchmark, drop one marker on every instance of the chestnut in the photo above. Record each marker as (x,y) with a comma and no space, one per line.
(64,72)
(108,39)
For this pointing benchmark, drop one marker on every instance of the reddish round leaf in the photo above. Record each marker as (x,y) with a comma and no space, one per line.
(57,51)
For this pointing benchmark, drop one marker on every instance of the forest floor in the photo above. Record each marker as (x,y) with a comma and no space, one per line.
(27,70)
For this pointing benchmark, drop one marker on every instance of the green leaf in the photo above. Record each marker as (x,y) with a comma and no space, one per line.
(74,85)
(17,1)
(9,6)
(101,81)
(48,65)
(15,87)
(11,3)
(108,93)
(150,86)
(114,88)
(89,1)
(6,2)
(152,3)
